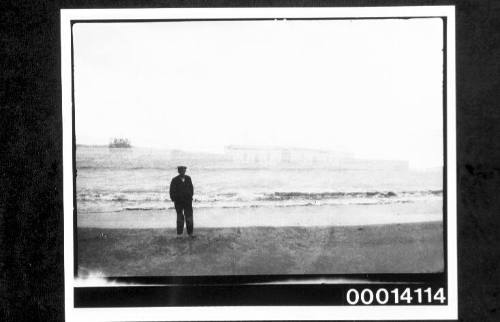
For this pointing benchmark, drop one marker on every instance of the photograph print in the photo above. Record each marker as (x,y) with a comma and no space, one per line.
(259,163)
(258,147)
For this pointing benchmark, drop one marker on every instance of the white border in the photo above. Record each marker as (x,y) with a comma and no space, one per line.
(269,312)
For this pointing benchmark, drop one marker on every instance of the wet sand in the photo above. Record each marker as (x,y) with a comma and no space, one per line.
(386,248)
(302,216)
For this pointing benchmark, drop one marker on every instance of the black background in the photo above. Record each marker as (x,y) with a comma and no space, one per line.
(31,208)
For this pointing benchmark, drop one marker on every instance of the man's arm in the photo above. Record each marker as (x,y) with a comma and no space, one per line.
(191,189)
(172,190)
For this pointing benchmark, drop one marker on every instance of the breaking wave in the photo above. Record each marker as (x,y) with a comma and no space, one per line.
(138,200)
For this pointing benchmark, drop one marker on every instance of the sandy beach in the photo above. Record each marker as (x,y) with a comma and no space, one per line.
(383,238)
(394,248)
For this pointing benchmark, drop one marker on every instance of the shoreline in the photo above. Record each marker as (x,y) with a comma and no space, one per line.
(295,216)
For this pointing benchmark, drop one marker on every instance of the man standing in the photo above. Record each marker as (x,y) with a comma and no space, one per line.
(181,193)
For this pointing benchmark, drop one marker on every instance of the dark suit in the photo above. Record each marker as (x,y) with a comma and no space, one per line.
(181,193)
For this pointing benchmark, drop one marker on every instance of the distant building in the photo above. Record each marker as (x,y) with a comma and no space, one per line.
(270,156)
(256,156)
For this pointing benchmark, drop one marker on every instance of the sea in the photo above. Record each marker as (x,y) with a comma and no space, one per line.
(130,179)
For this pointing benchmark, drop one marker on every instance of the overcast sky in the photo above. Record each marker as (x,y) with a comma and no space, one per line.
(370,87)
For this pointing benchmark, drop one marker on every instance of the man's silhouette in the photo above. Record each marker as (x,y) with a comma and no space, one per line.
(181,193)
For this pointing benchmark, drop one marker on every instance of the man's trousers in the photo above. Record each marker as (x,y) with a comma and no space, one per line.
(184,211)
